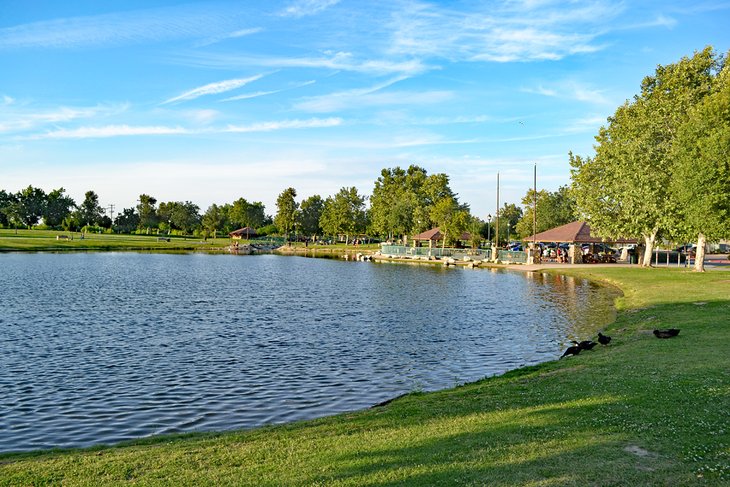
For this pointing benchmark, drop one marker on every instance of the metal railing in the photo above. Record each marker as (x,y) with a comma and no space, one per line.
(436,252)
(512,256)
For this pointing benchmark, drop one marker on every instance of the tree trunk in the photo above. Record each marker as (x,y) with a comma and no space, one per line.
(700,256)
(649,250)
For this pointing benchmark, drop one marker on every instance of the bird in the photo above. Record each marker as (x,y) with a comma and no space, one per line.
(575,350)
(668,333)
(603,339)
(585,344)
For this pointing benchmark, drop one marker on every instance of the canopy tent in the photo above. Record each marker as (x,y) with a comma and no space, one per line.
(575,232)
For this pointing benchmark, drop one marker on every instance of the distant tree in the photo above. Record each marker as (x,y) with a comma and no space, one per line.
(127,221)
(287,211)
(89,211)
(701,176)
(509,215)
(402,200)
(213,219)
(452,219)
(7,200)
(147,212)
(184,216)
(344,213)
(553,209)
(29,206)
(311,212)
(246,214)
(58,207)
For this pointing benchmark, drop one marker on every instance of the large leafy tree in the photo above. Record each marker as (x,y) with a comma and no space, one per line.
(701,175)
(7,200)
(287,211)
(553,209)
(58,207)
(624,190)
(179,215)
(344,213)
(29,206)
(89,211)
(213,219)
(127,221)
(147,211)
(310,214)
(402,200)
(246,214)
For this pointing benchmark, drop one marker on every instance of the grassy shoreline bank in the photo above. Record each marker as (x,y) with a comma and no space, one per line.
(641,411)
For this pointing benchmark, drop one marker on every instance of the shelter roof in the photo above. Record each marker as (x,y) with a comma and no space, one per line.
(575,232)
(435,234)
(243,231)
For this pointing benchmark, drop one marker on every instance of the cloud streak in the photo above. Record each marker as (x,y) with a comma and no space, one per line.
(256,94)
(134,27)
(107,131)
(213,88)
(301,8)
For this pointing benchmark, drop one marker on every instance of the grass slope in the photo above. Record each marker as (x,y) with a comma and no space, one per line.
(641,411)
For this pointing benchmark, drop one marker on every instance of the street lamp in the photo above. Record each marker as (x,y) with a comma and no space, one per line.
(489,228)
(508,225)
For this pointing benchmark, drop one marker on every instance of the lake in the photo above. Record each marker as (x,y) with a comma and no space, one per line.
(104,347)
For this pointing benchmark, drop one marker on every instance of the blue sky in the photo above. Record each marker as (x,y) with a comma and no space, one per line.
(212,101)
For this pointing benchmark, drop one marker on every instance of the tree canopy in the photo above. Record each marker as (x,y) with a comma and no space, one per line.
(624,190)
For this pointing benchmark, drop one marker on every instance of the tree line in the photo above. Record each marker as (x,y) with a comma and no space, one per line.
(661,167)
(404,202)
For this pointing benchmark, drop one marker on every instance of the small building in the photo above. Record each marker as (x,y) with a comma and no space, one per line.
(434,236)
(576,234)
(241,233)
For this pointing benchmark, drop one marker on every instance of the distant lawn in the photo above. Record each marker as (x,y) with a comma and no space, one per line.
(639,412)
(40,240)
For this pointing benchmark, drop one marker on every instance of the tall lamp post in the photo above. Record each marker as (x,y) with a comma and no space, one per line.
(489,229)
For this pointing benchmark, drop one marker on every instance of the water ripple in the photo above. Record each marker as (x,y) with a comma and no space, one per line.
(104,347)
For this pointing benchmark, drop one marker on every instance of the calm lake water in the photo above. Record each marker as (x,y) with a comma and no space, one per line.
(103,347)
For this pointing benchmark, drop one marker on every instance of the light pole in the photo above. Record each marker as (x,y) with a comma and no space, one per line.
(489,229)
(508,225)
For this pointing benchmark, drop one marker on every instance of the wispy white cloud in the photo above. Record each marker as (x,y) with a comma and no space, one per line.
(24,118)
(107,131)
(256,94)
(301,8)
(339,61)
(229,35)
(7,100)
(285,124)
(110,131)
(133,27)
(571,89)
(327,103)
(214,88)
(343,99)
(507,32)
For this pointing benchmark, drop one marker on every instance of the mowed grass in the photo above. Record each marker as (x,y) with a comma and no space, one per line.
(639,412)
(45,240)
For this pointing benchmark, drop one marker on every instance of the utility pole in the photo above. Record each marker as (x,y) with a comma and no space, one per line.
(111,211)
(496,229)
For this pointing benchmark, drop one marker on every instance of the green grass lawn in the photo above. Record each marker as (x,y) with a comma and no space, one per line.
(45,240)
(639,412)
